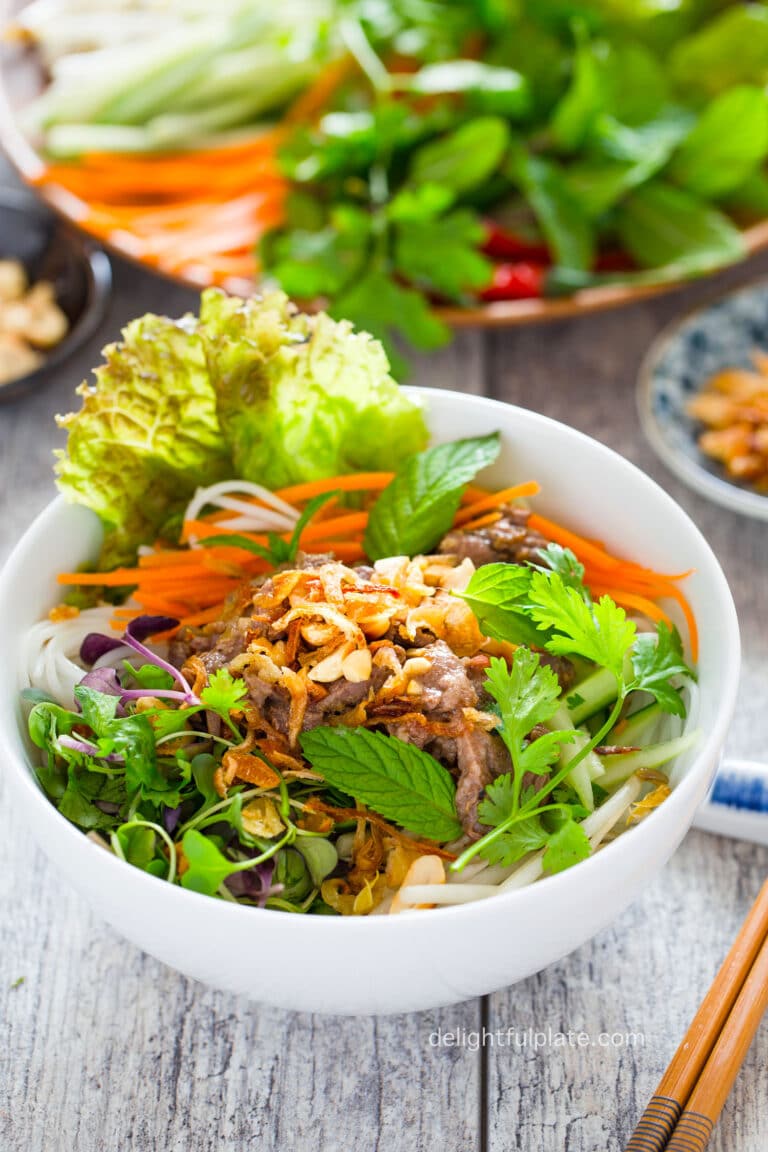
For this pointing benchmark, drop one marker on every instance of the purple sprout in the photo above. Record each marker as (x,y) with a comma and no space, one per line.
(78,744)
(170,818)
(95,645)
(254,883)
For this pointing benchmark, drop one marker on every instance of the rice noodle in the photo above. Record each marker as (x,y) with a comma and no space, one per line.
(282,516)
(50,652)
(446,893)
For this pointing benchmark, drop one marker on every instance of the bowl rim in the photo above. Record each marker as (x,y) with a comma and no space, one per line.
(706,753)
(97,268)
(713,487)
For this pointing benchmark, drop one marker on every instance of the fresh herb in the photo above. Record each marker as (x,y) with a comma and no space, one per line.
(419,505)
(395,779)
(589,130)
(224,693)
(278,550)
(528,694)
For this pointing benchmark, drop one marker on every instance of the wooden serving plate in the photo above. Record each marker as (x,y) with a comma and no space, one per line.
(21,79)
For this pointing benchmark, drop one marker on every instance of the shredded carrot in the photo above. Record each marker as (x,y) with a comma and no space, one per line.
(482,521)
(495,500)
(630,600)
(354,482)
(340,525)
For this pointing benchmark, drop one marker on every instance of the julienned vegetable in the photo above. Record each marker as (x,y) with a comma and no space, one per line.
(448,151)
(328,697)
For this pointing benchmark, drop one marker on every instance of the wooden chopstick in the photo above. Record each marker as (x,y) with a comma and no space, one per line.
(705,1103)
(705,1064)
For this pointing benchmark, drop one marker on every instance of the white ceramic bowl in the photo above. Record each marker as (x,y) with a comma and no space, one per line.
(408,962)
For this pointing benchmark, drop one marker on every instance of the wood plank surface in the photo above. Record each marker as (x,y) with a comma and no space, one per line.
(103,1049)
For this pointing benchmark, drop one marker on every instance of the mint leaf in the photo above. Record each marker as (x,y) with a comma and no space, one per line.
(655,660)
(223,693)
(566,847)
(497,594)
(395,779)
(419,505)
(726,145)
(599,632)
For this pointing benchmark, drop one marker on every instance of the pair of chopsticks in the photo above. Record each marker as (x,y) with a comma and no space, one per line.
(684,1109)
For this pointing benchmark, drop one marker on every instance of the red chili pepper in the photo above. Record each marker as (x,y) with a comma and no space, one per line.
(520,281)
(505,245)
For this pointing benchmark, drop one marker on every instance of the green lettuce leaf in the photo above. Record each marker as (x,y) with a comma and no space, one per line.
(146,435)
(302,397)
(252,390)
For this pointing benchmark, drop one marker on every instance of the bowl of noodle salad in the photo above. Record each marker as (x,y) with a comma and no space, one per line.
(346,696)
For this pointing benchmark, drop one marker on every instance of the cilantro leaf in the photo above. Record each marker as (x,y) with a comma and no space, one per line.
(457,236)
(526,694)
(223,692)
(655,660)
(379,304)
(521,838)
(497,594)
(567,846)
(600,632)
(419,505)
(395,779)
(571,571)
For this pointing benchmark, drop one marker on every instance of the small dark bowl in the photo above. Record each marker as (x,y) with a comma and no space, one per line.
(79,270)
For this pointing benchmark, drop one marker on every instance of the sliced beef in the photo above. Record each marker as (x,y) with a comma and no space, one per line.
(509,539)
(481,757)
(446,687)
(341,697)
(562,667)
(271,701)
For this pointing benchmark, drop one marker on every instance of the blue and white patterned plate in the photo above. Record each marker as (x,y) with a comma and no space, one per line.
(678,365)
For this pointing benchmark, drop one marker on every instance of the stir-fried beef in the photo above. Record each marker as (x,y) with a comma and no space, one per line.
(509,539)
(446,687)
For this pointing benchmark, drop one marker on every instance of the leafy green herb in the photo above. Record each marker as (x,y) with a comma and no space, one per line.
(661,225)
(279,551)
(528,694)
(726,145)
(208,866)
(600,632)
(566,847)
(463,159)
(223,693)
(569,569)
(655,660)
(395,779)
(419,505)
(497,594)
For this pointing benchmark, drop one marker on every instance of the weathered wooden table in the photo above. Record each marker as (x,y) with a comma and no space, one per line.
(102,1048)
